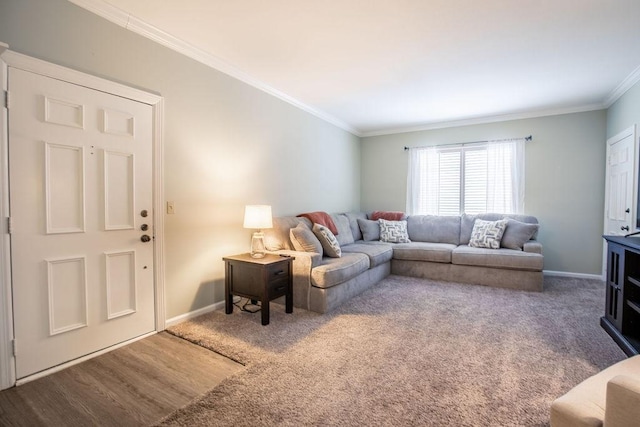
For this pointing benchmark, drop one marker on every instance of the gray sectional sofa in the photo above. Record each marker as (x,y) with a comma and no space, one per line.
(438,249)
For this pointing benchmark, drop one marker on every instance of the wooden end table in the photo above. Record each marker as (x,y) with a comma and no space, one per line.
(261,279)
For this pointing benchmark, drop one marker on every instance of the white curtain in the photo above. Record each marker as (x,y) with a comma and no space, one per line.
(505,176)
(423,181)
(429,186)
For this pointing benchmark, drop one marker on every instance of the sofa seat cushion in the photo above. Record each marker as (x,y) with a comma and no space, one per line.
(378,252)
(497,258)
(333,271)
(424,251)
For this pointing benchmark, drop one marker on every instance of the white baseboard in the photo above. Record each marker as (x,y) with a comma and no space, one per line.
(574,275)
(190,315)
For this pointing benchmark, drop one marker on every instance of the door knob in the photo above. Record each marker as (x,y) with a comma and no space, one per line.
(145,238)
(625,228)
(144,213)
(144,227)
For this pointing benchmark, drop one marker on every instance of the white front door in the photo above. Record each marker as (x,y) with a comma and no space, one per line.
(80,185)
(620,179)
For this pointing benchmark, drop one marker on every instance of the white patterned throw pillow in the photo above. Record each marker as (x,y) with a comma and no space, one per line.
(487,234)
(393,231)
(328,241)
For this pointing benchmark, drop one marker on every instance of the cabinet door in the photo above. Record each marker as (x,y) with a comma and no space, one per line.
(615,279)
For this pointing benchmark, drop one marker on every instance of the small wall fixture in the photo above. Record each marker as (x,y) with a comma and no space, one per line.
(257,217)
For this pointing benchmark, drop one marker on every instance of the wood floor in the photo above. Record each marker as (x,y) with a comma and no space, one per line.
(132,386)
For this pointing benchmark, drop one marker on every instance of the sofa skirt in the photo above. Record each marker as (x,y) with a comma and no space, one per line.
(470,274)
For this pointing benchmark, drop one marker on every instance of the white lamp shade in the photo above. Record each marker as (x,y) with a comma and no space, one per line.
(257,216)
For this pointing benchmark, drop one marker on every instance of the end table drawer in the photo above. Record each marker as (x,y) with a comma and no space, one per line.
(278,288)
(278,271)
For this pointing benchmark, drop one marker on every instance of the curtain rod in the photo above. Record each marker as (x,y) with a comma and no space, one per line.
(526,139)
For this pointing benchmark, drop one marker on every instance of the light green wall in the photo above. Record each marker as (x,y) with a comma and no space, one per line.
(227,144)
(625,112)
(564,185)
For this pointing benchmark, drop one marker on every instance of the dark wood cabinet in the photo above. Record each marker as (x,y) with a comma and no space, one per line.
(622,311)
(259,279)
(615,281)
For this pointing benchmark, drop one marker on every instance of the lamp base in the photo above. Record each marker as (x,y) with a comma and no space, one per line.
(257,245)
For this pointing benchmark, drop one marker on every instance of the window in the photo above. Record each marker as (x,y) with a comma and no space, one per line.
(473,178)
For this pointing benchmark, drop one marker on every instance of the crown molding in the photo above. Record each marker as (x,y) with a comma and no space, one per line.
(623,87)
(131,23)
(485,120)
(138,26)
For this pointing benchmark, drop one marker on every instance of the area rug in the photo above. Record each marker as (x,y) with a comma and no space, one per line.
(407,352)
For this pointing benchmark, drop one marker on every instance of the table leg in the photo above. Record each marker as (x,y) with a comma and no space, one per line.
(228,298)
(288,302)
(265,312)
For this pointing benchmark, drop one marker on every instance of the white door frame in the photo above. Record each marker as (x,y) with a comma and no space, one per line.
(12,59)
(630,131)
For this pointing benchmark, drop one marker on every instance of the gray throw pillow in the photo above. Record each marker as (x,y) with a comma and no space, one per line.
(393,231)
(370,229)
(487,234)
(328,240)
(304,240)
(517,234)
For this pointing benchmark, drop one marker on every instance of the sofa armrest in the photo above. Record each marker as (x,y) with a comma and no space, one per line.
(303,263)
(533,246)
(623,401)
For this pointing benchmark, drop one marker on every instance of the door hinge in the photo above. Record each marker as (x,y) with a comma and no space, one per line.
(14,345)
(6,99)
(9,225)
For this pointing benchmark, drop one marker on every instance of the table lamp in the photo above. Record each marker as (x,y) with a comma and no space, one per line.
(257,217)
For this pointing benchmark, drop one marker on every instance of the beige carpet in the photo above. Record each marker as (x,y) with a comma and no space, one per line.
(407,352)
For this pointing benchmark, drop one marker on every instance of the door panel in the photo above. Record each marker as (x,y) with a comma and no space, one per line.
(80,174)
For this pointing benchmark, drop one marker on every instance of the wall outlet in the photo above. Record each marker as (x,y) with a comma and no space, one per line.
(170,208)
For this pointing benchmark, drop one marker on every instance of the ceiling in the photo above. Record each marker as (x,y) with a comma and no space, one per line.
(385,66)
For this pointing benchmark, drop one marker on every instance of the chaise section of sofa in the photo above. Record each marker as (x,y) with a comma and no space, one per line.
(322,283)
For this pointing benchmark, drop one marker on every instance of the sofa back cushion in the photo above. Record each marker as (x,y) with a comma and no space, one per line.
(344,236)
(434,229)
(467,221)
(353,222)
(277,238)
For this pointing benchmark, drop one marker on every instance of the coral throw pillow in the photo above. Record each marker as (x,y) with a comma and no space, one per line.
(389,216)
